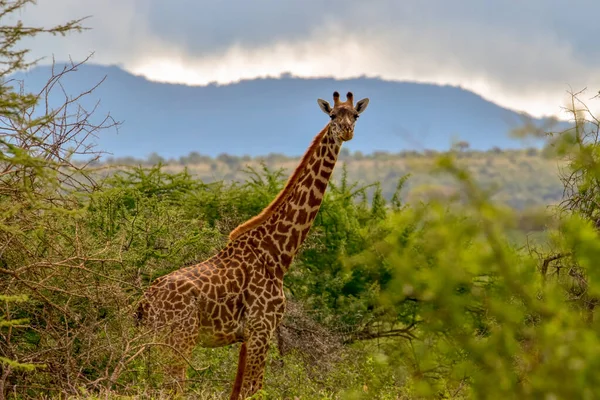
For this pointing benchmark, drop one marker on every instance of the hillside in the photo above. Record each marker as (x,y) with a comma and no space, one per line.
(517,178)
(264,116)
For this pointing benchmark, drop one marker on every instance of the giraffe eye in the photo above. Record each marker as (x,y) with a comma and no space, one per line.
(332,116)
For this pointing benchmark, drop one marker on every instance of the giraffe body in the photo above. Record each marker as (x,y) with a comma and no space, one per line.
(237,295)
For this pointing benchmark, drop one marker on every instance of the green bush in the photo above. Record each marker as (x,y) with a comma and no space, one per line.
(487,322)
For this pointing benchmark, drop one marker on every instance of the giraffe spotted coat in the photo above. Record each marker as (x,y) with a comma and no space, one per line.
(237,295)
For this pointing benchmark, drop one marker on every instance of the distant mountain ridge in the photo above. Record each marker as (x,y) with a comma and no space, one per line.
(261,116)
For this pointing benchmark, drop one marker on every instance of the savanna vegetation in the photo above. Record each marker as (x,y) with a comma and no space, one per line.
(390,298)
(521,179)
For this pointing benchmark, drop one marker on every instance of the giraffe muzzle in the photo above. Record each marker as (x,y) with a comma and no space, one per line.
(347,135)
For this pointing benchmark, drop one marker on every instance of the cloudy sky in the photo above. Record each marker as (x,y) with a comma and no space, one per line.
(522,54)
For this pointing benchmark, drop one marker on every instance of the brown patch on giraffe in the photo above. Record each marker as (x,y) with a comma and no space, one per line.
(220,289)
(261,230)
(212,292)
(304,233)
(280,199)
(320,185)
(218,325)
(285,259)
(293,240)
(303,197)
(313,200)
(275,292)
(302,217)
(282,227)
(322,151)
(269,245)
(250,298)
(215,279)
(308,180)
(316,167)
(294,198)
(280,238)
(326,174)
(270,307)
(260,282)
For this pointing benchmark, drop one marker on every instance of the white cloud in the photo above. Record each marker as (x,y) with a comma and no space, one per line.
(522,55)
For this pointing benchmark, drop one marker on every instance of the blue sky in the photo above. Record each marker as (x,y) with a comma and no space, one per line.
(520,54)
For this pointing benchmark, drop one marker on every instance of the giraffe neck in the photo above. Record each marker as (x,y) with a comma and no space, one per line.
(283,226)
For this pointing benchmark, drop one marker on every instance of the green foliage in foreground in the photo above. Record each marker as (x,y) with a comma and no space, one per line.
(432,300)
(488,324)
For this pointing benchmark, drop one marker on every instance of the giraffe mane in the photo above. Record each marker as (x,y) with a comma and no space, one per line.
(280,199)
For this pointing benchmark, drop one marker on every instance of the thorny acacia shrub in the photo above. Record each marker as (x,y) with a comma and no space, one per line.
(42,241)
(84,262)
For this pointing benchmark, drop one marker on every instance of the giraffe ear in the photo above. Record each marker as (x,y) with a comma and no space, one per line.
(361,105)
(324,106)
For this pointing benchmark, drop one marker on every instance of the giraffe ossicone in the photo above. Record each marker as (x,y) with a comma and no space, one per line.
(237,295)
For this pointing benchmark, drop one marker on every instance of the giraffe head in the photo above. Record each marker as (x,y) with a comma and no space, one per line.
(343,114)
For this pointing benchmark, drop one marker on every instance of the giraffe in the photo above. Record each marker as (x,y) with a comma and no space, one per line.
(237,295)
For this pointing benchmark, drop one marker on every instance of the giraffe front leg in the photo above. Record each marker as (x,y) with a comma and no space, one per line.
(263,318)
(251,367)
(239,377)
